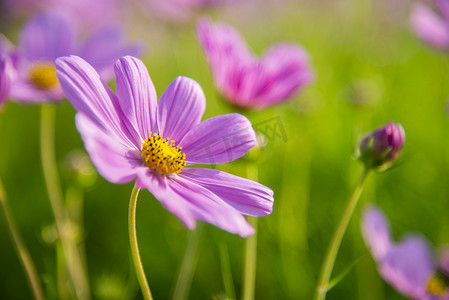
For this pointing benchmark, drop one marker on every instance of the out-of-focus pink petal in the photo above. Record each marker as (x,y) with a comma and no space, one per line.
(408,265)
(218,140)
(89,95)
(105,47)
(7,76)
(246,196)
(285,71)
(180,108)
(190,201)
(248,81)
(47,36)
(376,231)
(137,95)
(430,27)
(24,92)
(115,161)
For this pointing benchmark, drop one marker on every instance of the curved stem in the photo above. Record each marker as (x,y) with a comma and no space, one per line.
(249,278)
(188,265)
(144,286)
(63,224)
(21,249)
(326,270)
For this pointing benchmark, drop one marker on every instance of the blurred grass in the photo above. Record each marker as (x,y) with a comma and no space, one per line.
(370,69)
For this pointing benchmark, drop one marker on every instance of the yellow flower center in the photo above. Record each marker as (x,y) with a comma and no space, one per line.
(43,75)
(438,284)
(162,155)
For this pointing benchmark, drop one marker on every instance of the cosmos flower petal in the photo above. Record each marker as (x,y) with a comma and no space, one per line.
(376,231)
(46,36)
(408,265)
(137,95)
(104,47)
(24,92)
(285,71)
(159,186)
(430,27)
(218,140)
(246,196)
(114,161)
(180,108)
(7,75)
(89,95)
(190,201)
(248,81)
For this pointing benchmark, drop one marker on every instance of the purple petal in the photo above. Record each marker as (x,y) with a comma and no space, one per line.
(430,27)
(137,95)
(180,108)
(105,47)
(190,201)
(89,95)
(376,231)
(246,196)
(408,266)
(47,36)
(285,71)
(218,140)
(25,92)
(115,161)
(7,75)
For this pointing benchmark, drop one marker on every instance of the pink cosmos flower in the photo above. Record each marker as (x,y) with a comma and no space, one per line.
(130,135)
(409,265)
(432,25)
(246,80)
(50,35)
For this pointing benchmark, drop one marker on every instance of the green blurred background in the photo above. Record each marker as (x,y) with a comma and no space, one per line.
(370,69)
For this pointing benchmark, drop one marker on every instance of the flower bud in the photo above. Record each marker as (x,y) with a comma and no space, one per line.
(380,148)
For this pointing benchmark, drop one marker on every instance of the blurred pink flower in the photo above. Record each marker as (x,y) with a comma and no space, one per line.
(432,24)
(249,81)
(49,35)
(181,10)
(130,135)
(87,12)
(409,265)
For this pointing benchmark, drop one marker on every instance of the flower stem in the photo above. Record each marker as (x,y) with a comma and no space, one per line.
(332,252)
(188,265)
(21,249)
(134,247)
(249,279)
(63,224)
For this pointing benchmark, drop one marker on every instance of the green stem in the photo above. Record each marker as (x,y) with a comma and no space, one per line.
(135,247)
(63,224)
(249,279)
(188,265)
(22,251)
(226,272)
(332,252)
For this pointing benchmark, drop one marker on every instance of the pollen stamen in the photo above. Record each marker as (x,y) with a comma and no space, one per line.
(438,284)
(162,155)
(43,75)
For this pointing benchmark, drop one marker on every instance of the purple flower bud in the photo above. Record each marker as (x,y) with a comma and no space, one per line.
(380,148)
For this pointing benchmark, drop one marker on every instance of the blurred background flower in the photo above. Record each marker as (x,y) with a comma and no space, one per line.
(431,23)
(246,80)
(49,35)
(409,265)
